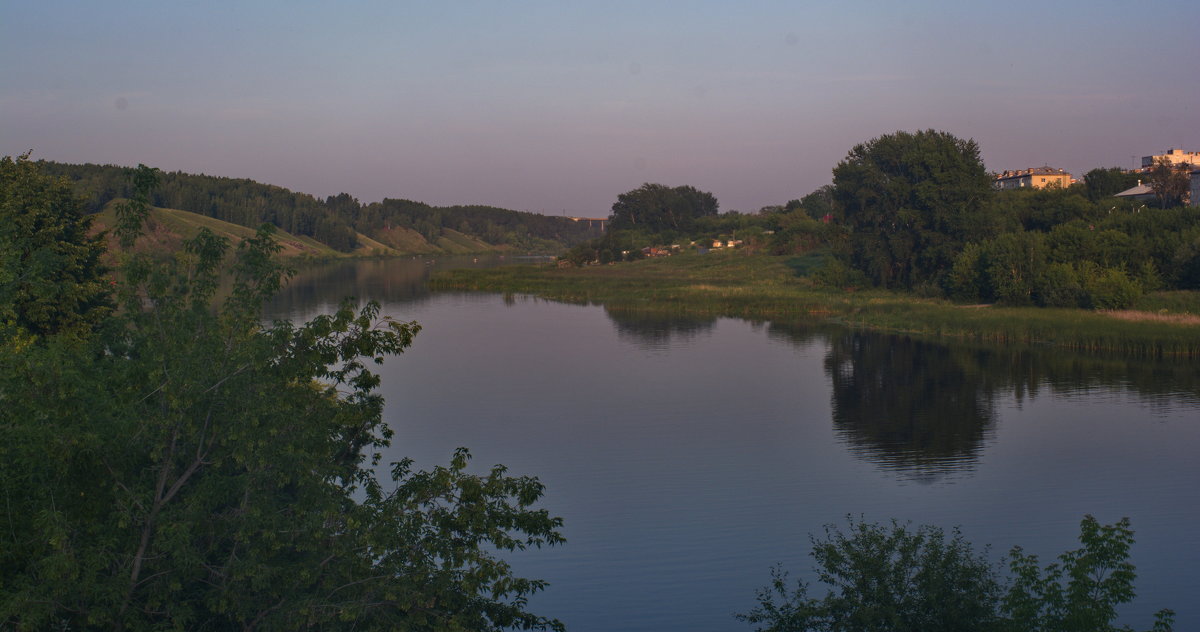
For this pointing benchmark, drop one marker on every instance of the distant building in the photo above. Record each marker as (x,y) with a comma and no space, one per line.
(1195,199)
(1034,178)
(1173,156)
(1141,192)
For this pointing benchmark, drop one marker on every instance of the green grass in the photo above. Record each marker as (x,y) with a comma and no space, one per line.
(1176,302)
(166,229)
(762,287)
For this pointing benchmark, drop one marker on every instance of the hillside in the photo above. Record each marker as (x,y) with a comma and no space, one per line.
(166,229)
(340,223)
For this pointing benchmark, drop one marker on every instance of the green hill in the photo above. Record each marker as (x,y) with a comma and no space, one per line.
(339,222)
(167,228)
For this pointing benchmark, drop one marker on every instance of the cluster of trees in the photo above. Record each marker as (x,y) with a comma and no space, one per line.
(1058,249)
(51,279)
(528,231)
(911,201)
(333,221)
(899,578)
(649,215)
(920,214)
(235,200)
(657,209)
(169,462)
(917,211)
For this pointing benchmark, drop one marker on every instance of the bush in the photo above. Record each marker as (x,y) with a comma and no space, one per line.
(835,273)
(1059,286)
(967,280)
(1111,288)
(896,578)
(886,577)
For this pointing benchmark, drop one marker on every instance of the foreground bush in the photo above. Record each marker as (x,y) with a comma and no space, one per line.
(893,578)
(181,466)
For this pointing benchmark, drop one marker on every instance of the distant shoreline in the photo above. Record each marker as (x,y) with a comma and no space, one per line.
(763,287)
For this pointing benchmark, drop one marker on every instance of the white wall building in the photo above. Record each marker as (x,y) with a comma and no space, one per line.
(1175,157)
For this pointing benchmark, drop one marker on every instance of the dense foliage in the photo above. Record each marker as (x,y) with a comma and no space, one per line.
(657,208)
(528,231)
(1101,183)
(895,578)
(180,465)
(917,211)
(911,201)
(51,280)
(333,221)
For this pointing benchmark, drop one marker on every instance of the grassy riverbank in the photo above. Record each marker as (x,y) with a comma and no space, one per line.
(761,287)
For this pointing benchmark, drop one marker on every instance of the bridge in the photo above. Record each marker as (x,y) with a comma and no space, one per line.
(592,222)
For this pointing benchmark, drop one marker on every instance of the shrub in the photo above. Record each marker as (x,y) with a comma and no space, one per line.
(1111,288)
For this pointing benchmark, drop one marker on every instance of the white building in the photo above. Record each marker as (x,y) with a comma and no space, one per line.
(1173,156)
(1035,178)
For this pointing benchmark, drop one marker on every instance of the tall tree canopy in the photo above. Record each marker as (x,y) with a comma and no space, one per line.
(912,200)
(1101,183)
(1169,182)
(657,208)
(184,467)
(51,279)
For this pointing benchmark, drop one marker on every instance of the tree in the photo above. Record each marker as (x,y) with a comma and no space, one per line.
(894,578)
(187,467)
(912,201)
(886,578)
(1080,592)
(1102,183)
(817,204)
(51,278)
(1169,183)
(657,208)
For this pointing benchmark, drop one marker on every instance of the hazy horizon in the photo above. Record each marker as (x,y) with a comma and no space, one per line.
(557,109)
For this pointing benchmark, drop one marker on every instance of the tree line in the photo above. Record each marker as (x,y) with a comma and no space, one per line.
(335,221)
(917,211)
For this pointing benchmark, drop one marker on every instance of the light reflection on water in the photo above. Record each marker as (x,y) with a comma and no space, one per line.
(688,457)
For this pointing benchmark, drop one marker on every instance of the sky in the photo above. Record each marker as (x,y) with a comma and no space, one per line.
(557,107)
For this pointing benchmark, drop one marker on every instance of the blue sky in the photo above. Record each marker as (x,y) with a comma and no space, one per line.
(559,107)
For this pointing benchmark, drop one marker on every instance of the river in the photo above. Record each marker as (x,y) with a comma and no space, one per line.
(688,457)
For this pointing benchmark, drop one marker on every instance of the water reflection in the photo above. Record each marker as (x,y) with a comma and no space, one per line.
(916,408)
(926,410)
(322,286)
(736,440)
(921,410)
(656,332)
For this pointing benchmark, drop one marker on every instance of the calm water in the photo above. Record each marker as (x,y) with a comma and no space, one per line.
(688,457)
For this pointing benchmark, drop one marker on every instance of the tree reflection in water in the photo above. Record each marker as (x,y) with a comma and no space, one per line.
(651,331)
(926,410)
(916,408)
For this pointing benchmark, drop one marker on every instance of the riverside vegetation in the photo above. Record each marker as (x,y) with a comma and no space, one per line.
(337,225)
(909,237)
(790,289)
(168,463)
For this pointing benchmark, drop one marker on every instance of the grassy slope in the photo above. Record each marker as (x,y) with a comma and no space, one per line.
(405,240)
(768,288)
(455,242)
(369,247)
(166,229)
